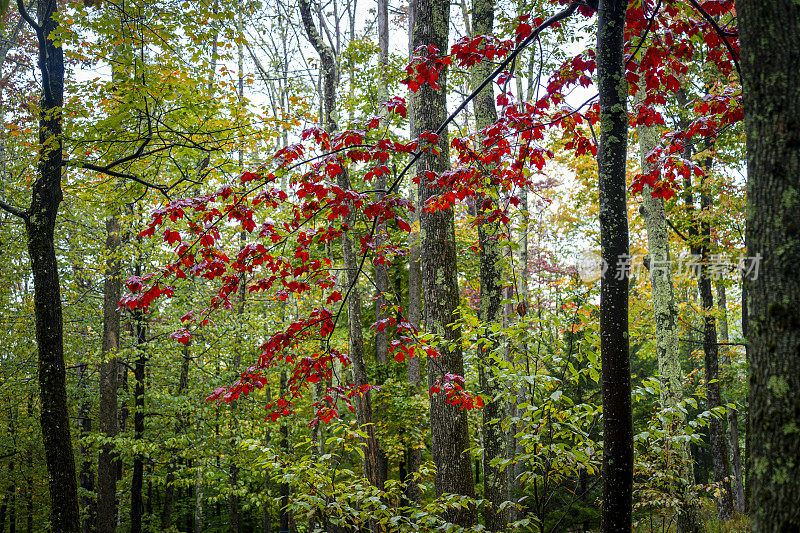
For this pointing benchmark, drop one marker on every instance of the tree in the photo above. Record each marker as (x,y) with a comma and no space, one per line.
(40,222)
(449,433)
(770,43)
(495,481)
(611,158)
(665,314)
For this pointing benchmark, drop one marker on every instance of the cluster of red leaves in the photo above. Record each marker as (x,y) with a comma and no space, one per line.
(452,386)
(502,154)
(679,35)
(425,68)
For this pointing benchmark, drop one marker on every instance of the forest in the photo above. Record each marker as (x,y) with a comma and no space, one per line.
(400,266)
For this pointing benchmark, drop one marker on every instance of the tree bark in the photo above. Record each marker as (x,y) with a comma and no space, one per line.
(108,460)
(137,504)
(495,483)
(665,313)
(611,158)
(733,414)
(372,456)
(449,432)
(40,221)
(770,47)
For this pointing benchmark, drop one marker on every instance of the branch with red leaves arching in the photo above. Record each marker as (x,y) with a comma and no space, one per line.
(722,35)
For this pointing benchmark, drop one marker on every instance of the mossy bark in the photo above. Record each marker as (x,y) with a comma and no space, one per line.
(665,313)
(495,484)
(108,460)
(614,349)
(449,430)
(770,52)
(40,221)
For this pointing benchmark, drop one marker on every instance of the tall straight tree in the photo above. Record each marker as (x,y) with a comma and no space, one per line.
(495,483)
(40,222)
(770,51)
(616,379)
(665,313)
(373,467)
(449,432)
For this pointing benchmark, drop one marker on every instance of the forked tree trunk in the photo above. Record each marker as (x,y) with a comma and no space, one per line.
(449,431)
(372,463)
(611,158)
(495,483)
(770,50)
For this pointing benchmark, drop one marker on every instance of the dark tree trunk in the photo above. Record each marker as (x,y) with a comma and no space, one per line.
(719,448)
(137,505)
(770,51)
(283,511)
(611,158)
(495,485)
(86,475)
(40,221)
(108,460)
(733,414)
(449,431)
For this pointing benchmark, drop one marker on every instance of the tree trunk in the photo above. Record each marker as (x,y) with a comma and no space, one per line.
(372,457)
(84,422)
(665,313)
(719,448)
(733,415)
(495,483)
(770,45)
(449,431)
(108,460)
(413,452)
(40,221)
(611,158)
(137,504)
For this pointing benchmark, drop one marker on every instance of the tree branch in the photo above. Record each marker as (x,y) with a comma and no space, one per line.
(107,170)
(13,210)
(722,34)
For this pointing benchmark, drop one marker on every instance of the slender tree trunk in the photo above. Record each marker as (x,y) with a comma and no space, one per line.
(733,415)
(372,462)
(611,158)
(719,448)
(107,463)
(40,221)
(198,501)
(665,313)
(770,47)
(413,452)
(84,422)
(449,431)
(137,504)
(495,483)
